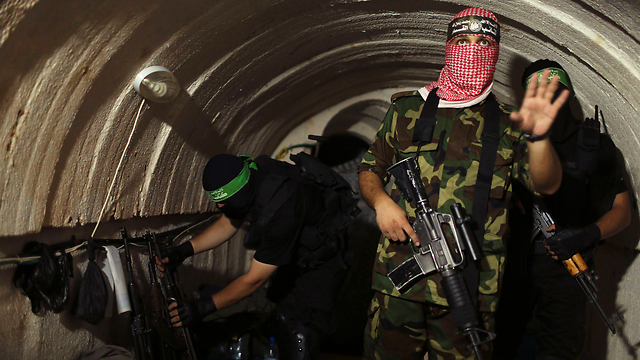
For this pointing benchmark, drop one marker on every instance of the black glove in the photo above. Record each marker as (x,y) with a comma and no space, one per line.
(177,254)
(566,243)
(193,311)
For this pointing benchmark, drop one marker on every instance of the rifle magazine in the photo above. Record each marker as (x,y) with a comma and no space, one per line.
(411,269)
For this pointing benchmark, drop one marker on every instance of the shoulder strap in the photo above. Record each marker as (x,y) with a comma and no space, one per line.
(490,140)
(396,96)
(270,192)
(423,130)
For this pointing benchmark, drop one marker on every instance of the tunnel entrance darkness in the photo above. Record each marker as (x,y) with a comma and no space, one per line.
(340,148)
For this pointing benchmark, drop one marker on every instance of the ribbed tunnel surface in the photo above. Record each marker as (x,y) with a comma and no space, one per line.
(255,76)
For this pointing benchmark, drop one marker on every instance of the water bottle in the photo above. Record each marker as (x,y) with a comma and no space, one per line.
(271,353)
(235,348)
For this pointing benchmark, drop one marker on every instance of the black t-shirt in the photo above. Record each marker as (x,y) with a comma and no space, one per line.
(584,198)
(280,237)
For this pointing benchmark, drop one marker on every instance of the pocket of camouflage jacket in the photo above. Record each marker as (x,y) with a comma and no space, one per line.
(501,169)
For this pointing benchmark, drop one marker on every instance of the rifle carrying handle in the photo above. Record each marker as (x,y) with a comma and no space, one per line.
(575,265)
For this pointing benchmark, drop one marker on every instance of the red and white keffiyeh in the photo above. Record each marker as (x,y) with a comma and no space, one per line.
(469,68)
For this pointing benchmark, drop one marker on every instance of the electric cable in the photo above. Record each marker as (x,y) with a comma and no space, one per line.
(115,176)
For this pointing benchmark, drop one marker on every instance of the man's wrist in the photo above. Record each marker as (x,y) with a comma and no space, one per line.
(594,233)
(206,306)
(186,248)
(533,138)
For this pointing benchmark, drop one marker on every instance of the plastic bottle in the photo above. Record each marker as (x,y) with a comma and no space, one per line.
(235,348)
(271,353)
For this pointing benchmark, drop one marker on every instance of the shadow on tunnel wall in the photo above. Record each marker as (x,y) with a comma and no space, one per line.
(188,121)
(614,260)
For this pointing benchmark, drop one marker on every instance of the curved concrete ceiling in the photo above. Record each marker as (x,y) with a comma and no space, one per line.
(251,72)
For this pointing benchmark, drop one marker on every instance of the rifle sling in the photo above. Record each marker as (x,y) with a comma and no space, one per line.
(426,123)
(490,138)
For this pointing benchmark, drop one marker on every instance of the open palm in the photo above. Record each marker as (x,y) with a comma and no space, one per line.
(538,111)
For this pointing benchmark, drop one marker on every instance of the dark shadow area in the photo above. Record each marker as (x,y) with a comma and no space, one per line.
(340,148)
(344,152)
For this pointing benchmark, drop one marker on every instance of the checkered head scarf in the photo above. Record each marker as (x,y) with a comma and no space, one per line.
(469,68)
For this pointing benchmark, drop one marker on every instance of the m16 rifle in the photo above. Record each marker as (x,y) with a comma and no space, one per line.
(576,266)
(435,254)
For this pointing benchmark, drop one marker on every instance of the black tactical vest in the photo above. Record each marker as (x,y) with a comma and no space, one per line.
(325,238)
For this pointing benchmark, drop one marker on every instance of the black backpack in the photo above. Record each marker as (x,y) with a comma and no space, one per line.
(329,235)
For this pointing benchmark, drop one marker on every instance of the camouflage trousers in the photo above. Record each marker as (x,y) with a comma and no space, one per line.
(402,329)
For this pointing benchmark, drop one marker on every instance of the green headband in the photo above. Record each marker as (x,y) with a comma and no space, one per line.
(562,76)
(227,191)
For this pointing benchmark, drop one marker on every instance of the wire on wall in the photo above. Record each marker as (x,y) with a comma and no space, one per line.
(115,176)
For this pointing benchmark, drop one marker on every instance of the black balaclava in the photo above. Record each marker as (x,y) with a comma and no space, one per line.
(565,124)
(219,171)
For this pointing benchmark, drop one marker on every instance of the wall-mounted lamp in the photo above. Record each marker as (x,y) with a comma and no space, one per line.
(157,84)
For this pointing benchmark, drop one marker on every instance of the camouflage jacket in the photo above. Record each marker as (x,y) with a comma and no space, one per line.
(449,166)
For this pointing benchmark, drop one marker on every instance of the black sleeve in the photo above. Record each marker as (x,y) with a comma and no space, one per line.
(608,180)
(614,156)
(278,243)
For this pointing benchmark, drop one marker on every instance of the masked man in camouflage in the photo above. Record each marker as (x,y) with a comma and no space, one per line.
(415,323)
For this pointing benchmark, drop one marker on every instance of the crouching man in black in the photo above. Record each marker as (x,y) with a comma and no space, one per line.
(298,216)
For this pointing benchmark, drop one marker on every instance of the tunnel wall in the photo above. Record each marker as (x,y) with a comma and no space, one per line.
(251,72)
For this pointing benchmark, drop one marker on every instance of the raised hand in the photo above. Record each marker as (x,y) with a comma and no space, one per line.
(538,111)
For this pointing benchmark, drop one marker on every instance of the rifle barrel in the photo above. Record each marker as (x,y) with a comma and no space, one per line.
(594,302)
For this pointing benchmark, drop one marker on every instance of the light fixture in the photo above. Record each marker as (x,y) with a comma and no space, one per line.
(157,84)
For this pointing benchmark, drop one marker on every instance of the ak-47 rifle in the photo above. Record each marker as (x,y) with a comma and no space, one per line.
(436,255)
(139,326)
(172,293)
(576,266)
(171,342)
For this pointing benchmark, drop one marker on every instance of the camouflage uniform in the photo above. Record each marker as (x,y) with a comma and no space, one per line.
(449,166)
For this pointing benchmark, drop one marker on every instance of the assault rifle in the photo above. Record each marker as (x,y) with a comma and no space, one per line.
(435,253)
(170,289)
(139,326)
(172,343)
(576,265)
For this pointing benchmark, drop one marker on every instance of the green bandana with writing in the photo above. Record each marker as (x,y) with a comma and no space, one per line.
(562,77)
(230,189)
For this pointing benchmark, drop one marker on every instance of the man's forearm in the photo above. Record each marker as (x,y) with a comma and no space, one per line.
(371,188)
(544,167)
(244,285)
(616,219)
(214,235)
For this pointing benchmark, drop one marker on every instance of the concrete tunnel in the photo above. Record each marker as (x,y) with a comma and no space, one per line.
(255,77)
